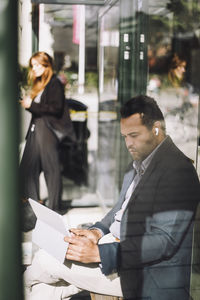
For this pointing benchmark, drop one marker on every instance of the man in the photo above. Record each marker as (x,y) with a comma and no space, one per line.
(149,254)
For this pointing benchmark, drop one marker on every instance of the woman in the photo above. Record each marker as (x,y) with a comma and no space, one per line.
(177,70)
(46,104)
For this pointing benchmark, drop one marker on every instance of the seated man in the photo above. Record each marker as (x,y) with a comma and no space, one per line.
(146,253)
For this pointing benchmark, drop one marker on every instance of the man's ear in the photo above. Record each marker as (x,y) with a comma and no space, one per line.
(156,127)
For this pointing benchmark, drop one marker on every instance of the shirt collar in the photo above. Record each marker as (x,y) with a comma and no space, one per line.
(141,167)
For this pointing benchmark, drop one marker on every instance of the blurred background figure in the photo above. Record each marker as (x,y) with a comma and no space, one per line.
(177,70)
(178,101)
(49,123)
(176,77)
(183,90)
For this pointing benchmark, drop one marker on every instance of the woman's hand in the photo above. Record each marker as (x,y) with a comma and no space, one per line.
(26,102)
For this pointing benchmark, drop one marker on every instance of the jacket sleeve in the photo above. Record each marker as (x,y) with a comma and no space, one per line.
(109,257)
(152,238)
(52,100)
(108,251)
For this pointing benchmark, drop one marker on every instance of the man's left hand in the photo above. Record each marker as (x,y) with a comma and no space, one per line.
(82,249)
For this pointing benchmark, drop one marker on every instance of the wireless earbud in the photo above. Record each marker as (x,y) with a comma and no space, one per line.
(156,131)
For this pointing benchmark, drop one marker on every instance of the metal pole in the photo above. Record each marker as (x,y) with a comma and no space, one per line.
(10,251)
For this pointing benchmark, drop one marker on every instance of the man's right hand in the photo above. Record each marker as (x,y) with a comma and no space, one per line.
(92,234)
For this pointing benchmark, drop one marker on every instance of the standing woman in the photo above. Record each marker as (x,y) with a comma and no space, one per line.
(46,104)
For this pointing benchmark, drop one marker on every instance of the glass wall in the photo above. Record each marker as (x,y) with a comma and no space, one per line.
(173,80)
(142,46)
(173,61)
(69,34)
(158,54)
(108,50)
(61,29)
(108,103)
(148,47)
(131,47)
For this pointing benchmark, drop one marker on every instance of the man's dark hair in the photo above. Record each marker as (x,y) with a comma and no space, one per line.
(146,107)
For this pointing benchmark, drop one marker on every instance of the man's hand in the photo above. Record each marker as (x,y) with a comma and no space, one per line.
(82,249)
(92,234)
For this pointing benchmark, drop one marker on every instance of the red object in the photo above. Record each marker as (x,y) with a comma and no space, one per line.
(76,24)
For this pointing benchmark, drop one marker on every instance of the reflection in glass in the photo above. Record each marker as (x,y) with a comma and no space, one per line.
(172,56)
(108,127)
(59,35)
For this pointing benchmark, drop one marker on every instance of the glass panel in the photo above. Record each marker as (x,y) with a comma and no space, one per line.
(173,58)
(60,37)
(109,48)
(174,64)
(108,91)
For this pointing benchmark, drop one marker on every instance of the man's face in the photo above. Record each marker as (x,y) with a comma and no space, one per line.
(140,141)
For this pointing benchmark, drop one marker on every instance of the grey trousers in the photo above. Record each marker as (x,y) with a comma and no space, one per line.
(41,153)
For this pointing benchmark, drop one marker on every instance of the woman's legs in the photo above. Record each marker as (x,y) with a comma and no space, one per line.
(50,164)
(30,169)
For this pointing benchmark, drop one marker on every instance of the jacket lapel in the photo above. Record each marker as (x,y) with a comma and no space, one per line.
(128,178)
(161,152)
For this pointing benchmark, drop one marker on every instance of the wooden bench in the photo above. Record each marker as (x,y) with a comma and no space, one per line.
(103,297)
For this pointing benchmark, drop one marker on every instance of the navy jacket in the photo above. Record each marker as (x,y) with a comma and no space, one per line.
(153,258)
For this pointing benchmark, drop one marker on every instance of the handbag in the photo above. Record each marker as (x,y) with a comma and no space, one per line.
(63,128)
(28,217)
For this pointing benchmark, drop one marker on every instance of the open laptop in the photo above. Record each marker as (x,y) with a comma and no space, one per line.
(49,231)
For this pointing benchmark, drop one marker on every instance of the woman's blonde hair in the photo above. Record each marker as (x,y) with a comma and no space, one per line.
(39,83)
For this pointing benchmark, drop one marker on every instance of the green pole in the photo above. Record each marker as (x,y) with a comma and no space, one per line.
(132,60)
(133,66)
(35,27)
(10,237)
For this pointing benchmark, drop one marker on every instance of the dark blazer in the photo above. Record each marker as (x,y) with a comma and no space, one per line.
(153,258)
(51,108)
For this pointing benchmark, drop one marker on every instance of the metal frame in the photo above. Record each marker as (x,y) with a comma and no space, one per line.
(85,2)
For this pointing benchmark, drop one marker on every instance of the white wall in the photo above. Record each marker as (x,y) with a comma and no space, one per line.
(45,37)
(24,32)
